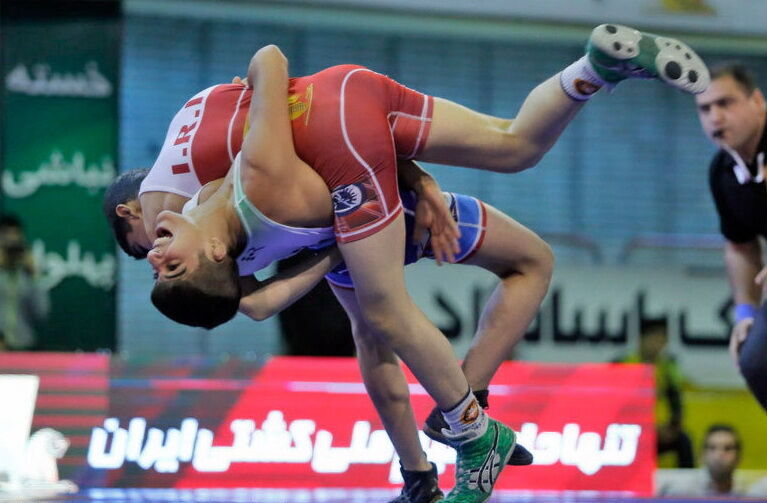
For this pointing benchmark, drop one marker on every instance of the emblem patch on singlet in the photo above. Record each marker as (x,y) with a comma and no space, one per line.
(356,205)
(347,198)
(301,105)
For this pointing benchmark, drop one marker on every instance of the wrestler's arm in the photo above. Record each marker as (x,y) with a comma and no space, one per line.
(274,178)
(268,114)
(262,299)
(431,213)
(268,146)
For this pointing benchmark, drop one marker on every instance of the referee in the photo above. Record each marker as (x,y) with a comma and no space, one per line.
(732,112)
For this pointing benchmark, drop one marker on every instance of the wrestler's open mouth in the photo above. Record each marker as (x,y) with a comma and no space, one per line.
(717,133)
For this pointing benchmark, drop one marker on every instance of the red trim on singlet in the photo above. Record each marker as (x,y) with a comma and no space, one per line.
(481,236)
(371,229)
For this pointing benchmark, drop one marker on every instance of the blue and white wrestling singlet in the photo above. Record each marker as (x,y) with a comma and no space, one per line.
(468,212)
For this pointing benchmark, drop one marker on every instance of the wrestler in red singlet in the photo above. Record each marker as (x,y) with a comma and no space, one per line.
(341,119)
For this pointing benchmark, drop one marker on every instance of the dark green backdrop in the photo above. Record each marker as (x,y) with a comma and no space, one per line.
(60,67)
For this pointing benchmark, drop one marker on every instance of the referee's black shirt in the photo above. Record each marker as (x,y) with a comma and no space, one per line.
(742,208)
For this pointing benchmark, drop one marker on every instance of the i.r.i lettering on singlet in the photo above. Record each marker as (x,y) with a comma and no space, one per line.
(184,136)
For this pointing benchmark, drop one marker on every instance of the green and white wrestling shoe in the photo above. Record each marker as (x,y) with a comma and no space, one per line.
(618,52)
(435,423)
(480,462)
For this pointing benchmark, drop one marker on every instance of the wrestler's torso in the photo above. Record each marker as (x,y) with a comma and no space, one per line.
(202,141)
(332,124)
(207,133)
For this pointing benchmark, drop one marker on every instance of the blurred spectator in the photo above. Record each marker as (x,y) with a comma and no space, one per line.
(721,455)
(733,114)
(720,458)
(23,300)
(653,337)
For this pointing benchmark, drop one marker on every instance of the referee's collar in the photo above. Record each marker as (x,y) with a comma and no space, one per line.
(740,168)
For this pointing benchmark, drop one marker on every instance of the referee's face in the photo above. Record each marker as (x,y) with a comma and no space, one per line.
(729,115)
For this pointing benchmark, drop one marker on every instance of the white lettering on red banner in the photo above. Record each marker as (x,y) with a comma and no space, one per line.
(278,441)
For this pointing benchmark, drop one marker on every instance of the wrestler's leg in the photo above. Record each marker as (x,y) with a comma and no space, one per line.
(524,264)
(614,53)
(462,137)
(375,264)
(361,173)
(386,385)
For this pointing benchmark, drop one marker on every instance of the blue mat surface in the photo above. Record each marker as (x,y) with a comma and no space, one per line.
(322,495)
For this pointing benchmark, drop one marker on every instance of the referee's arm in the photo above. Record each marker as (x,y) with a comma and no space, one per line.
(743,262)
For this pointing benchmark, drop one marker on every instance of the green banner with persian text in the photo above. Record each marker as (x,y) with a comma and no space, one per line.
(59,150)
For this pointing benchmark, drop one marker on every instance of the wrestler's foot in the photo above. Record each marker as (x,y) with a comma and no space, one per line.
(436,422)
(420,487)
(618,52)
(479,463)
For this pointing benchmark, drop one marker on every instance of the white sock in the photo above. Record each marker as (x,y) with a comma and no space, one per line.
(579,80)
(467,420)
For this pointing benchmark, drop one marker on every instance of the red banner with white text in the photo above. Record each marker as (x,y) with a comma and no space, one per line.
(308,422)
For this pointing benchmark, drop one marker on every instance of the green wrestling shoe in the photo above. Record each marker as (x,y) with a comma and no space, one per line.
(479,463)
(435,423)
(618,52)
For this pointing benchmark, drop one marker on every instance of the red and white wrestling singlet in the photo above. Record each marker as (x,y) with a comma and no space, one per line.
(349,123)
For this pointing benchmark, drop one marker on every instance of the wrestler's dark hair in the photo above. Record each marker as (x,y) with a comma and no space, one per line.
(742,75)
(206,297)
(121,191)
(716,428)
